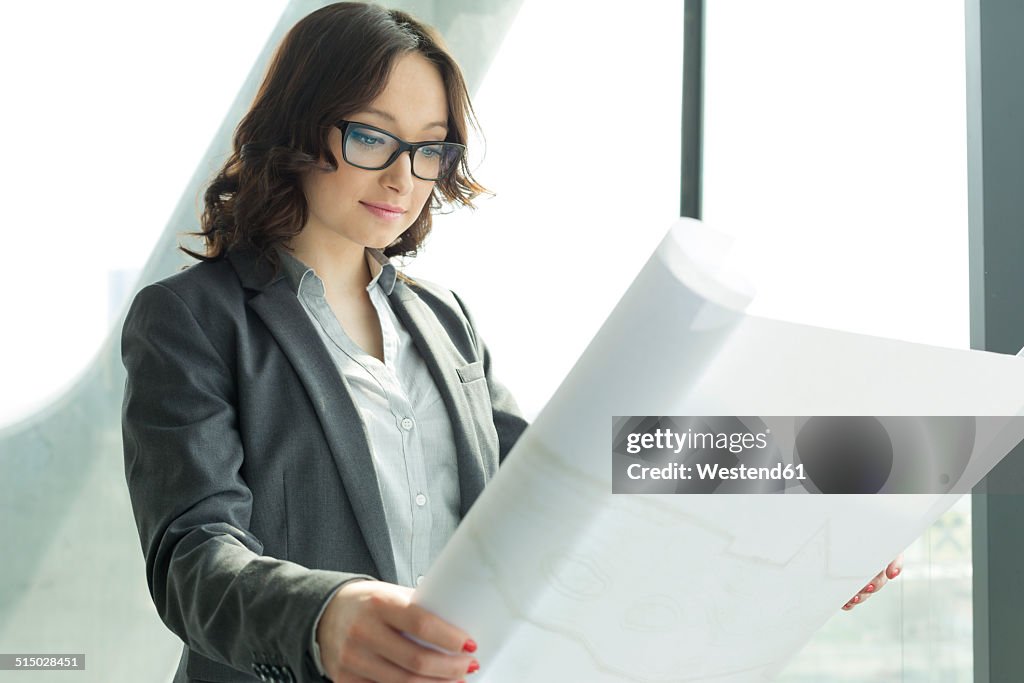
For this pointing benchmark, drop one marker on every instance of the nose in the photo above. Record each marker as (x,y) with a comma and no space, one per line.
(398,176)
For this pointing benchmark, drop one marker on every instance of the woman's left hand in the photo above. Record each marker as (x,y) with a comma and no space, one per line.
(876,584)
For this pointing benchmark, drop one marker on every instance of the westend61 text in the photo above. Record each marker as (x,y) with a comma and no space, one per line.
(714,471)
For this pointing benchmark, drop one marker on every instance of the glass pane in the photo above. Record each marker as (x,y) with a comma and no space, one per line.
(836,147)
(582,150)
(106,132)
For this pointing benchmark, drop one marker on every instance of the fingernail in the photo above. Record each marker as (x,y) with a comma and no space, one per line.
(474,666)
(856,599)
(895,573)
(469,645)
(870,588)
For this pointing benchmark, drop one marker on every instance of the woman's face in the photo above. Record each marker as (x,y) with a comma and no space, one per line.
(372,208)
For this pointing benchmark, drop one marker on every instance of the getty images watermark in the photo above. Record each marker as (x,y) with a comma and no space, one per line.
(832,454)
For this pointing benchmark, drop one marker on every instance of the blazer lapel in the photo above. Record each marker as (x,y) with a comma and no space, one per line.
(281,311)
(441,358)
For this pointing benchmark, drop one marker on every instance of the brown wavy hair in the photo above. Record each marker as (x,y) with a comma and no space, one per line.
(332,63)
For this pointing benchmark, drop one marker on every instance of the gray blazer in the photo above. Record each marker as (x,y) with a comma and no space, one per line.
(248,466)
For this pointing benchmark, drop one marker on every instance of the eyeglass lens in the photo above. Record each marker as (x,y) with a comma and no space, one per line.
(373,149)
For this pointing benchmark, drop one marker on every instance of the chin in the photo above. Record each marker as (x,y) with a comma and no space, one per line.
(389,241)
(376,239)
(384,244)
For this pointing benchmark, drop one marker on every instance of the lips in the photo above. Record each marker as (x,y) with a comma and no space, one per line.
(382,210)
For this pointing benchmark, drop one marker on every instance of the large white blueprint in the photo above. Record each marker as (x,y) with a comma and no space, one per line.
(559,580)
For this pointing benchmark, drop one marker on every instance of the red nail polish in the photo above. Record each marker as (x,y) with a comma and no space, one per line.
(895,573)
(474,666)
(870,588)
(856,599)
(469,645)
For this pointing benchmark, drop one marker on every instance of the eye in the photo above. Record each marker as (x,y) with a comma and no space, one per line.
(365,137)
(430,152)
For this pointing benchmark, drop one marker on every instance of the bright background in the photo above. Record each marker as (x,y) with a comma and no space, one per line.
(834,151)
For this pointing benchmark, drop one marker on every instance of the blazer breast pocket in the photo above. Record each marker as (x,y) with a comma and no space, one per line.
(474,386)
(472,372)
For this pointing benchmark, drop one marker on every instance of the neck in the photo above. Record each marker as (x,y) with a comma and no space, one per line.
(339,262)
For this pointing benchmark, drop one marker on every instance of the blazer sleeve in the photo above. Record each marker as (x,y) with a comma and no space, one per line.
(508,419)
(183,456)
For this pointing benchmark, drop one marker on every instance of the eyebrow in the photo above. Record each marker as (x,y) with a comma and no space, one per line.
(392,119)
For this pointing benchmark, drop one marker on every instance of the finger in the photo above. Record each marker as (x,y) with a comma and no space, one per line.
(865,592)
(413,658)
(860,597)
(873,586)
(362,665)
(426,626)
(356,665)
(384,671)
(348,678)
(895,567)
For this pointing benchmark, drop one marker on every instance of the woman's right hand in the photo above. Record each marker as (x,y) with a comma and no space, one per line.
(360,638)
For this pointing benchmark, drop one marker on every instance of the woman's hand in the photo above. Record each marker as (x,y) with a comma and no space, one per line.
(360,638)
(890,572)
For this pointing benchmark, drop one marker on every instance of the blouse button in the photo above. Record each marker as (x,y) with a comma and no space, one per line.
(406,423)
(421,500)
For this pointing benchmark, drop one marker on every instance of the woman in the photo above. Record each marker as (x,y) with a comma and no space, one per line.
(303,425)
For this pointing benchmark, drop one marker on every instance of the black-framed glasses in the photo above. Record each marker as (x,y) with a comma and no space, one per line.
(371,148)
